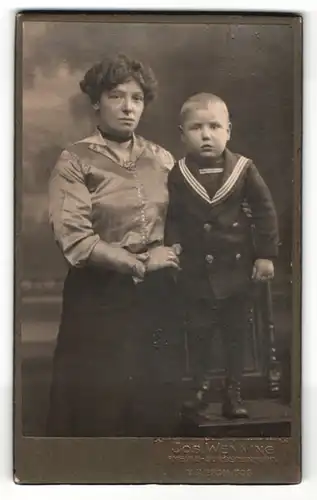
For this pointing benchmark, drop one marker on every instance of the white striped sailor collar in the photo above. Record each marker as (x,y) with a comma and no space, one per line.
(234,166)
(100,144)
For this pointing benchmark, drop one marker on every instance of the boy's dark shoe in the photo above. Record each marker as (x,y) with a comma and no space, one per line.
(201,400)
(233,406)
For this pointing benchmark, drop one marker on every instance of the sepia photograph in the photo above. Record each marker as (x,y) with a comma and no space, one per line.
(158,167)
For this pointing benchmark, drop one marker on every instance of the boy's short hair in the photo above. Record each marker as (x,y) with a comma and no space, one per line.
(197,101)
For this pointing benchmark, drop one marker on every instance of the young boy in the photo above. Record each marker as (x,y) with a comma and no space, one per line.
(211,233)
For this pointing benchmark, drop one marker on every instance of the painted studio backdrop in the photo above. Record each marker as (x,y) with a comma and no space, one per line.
(249,66)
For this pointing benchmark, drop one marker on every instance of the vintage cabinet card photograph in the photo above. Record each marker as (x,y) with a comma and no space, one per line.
(158,243)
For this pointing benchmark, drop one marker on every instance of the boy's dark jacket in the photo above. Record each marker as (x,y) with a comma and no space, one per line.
(218,247)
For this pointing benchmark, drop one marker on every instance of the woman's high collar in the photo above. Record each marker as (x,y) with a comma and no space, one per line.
(114,137)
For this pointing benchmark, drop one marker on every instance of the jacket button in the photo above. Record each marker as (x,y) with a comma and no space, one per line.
(209,259)
(207,227)
(238,256)
(235,224)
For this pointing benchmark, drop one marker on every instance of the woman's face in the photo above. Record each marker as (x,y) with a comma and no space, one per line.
(120,109)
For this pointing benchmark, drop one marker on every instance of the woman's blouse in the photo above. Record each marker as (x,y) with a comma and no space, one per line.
(95,195)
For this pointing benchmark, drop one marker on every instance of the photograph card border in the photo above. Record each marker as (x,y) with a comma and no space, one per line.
(150,460)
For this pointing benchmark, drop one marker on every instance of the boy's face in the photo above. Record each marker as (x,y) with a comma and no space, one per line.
(206,130)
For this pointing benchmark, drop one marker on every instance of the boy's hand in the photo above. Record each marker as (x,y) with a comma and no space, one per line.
(263,270)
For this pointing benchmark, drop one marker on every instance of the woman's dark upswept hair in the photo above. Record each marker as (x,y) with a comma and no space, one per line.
(109,73)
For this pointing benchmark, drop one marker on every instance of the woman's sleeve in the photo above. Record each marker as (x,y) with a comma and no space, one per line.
(70,210)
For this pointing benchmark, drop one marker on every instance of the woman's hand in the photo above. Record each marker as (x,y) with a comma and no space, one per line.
(263,270)
(127,263)
(117,259)
(161,257)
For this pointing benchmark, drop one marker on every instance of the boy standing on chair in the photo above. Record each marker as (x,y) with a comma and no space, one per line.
(211,233)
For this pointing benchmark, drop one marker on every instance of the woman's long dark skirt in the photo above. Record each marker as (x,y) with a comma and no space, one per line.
(119,357)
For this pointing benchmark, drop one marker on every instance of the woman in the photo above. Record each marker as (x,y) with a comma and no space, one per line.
(118,353)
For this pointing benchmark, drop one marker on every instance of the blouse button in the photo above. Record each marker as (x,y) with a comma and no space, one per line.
(209,259)
(238,256)
(207,227)
(235,224)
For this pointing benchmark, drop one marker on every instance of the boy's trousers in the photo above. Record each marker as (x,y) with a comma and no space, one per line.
(206,316)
